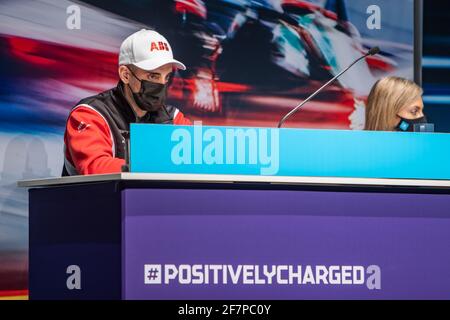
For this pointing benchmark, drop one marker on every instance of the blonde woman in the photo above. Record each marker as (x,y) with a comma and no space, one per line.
(394,104)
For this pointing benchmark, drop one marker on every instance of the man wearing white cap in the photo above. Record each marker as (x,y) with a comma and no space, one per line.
(93,140)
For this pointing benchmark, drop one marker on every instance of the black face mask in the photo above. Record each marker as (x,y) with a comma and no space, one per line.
(408,124)
(152,96)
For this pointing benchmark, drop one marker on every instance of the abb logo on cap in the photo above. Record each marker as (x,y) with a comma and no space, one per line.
(159,46)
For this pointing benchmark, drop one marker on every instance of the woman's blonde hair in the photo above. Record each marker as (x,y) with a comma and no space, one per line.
(387,97)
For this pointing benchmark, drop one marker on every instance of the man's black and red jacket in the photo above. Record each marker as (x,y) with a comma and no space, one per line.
(93,141)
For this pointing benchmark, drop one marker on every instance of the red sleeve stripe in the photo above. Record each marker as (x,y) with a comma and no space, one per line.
(176,113)
(107,124)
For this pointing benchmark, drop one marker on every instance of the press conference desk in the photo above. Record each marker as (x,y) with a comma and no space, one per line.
(187,236)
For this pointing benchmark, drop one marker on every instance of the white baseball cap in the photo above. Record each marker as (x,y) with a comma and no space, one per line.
(148,50)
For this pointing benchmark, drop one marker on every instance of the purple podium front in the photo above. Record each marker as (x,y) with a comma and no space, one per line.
(170,236)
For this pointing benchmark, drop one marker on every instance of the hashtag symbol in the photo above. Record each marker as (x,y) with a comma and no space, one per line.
(152,274)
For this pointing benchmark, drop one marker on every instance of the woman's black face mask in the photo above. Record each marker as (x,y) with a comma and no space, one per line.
(408,124)
(152,96)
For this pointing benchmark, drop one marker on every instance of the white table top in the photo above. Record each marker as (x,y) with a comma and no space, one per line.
(210,178)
